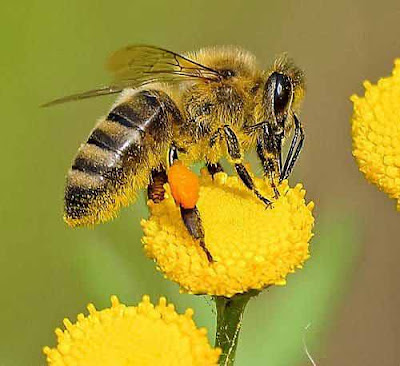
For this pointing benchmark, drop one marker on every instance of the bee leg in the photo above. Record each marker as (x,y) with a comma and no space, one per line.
(270,166)
(236,155)
(215,137)
(155,190)
(248,182)
(214,168)
(172,154)
(192,220)
(293,154)
(191,216)
(211,167)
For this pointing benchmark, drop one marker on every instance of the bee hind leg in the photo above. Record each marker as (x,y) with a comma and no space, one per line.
(192,220)
(155,189)
(191,216)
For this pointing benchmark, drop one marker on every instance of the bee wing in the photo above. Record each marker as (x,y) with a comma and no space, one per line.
(134,66)
(149,62)
(105,90)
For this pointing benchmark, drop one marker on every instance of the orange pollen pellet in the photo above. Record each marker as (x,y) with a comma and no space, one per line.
(184,185)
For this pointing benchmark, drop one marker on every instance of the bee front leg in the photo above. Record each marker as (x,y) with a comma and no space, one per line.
(293,154)
(236,155)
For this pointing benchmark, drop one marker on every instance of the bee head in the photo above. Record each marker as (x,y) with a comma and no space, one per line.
(282,94)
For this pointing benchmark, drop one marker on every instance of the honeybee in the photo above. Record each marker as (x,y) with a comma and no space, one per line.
(199,106)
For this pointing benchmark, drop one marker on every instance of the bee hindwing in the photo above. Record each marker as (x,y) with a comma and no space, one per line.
(118,157)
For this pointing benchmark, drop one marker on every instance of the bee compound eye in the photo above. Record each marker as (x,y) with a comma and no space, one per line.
(282,93)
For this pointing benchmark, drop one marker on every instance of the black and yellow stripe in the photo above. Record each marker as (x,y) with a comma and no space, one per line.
(118,157)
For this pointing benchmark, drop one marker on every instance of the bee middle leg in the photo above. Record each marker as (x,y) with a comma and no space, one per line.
(191,216)
(214,168)
(235,154)
(270,164)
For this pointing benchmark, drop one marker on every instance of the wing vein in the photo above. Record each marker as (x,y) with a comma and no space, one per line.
(134,66)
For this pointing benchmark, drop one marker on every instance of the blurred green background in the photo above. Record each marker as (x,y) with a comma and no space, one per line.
(348,290)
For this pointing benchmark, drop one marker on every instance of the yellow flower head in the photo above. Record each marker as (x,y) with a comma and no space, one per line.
(376,133)
(129,336)
(252,246)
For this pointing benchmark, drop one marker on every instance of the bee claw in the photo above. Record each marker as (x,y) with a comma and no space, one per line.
(206,251)
(266,201)
(262,198)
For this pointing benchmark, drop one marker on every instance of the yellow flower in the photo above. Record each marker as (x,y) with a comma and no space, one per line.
(252,246)
(376,133)
(129,336)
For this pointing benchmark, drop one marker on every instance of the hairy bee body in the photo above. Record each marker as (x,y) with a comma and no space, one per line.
(118,156)
(210,113)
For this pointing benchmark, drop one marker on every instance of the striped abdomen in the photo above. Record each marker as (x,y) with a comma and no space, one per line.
(118,157)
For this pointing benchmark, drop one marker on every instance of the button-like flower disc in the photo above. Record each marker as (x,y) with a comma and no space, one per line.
(145,335)
(376,133)
(252,246)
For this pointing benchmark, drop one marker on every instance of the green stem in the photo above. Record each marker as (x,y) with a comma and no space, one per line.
(229,321)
